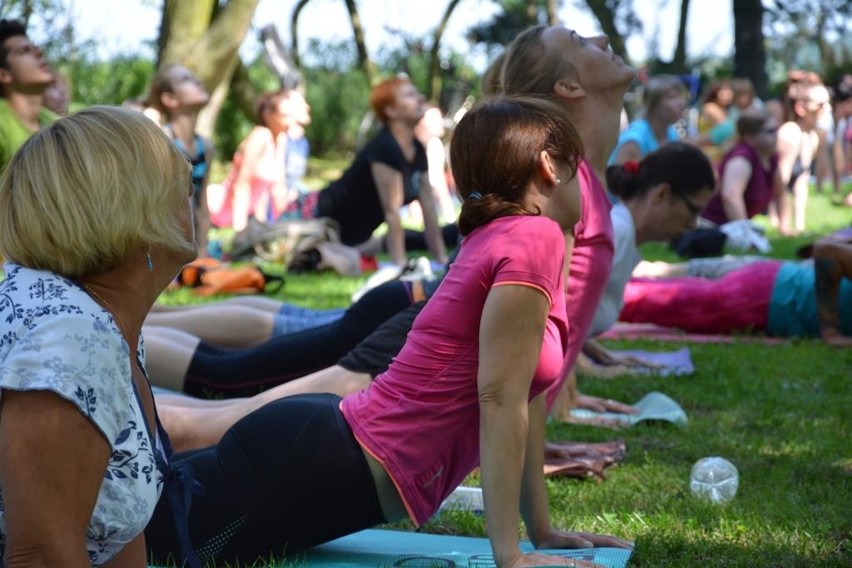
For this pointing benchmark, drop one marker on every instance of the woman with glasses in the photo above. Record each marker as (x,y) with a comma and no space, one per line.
(659,200)
(749,178)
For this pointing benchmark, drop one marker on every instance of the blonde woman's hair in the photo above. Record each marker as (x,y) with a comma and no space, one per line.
(85,194)
(529,68)
(657,88)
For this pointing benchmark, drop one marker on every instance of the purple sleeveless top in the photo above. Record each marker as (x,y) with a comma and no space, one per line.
(758,192)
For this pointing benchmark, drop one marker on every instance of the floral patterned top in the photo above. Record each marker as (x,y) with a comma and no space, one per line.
(54,336)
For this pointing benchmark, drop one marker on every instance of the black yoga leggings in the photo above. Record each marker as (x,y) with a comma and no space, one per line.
(286,477)
(375,353)
(229,373)
(416,240)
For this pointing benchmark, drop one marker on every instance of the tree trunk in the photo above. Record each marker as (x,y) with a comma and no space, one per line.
(207,117)
(358,31)
(183,24)
(433,80)
(294,33)
(213,54)
(606,18)
(749,48)
(679,59)
(205,38)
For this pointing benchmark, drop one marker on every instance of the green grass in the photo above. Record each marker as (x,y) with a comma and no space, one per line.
(780,413)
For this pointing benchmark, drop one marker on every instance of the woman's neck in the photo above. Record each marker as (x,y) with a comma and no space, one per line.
(635,209)
(404,136)
(598,122)
(182,126)
(660,128)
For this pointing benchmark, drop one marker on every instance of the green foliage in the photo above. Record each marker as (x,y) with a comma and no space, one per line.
(337,91)
(505,25)
(107,82)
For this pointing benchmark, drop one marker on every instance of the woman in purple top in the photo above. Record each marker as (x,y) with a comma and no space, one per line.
(749,179)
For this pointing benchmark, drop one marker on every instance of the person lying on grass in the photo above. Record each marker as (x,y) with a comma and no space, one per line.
(780,298)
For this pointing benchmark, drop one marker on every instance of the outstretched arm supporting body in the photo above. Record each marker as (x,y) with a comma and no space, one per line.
(832,263)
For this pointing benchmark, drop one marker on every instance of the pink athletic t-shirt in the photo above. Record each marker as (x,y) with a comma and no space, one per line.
(421,417)
(591,263)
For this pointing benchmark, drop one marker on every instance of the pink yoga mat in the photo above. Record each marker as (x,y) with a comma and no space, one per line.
(623,330)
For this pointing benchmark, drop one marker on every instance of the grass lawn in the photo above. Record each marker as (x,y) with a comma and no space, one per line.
(780,413)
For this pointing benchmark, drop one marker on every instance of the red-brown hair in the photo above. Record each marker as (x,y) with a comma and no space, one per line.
(268,102)
(383,95)
(495,152)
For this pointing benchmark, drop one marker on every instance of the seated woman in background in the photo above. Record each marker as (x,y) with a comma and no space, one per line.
(257,184)
(717,99)
(714,107)
(749,179)
(744,99)
(96,220)
(664,100)
(389,172)
(436,413)
(783,299)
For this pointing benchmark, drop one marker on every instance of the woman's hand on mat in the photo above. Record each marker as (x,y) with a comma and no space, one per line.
(536,559)
(598,404)
(603,357)
(564,539)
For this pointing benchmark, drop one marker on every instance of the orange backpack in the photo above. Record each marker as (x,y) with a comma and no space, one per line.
(208,276)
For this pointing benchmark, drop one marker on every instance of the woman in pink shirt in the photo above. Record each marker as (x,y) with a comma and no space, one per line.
(467,388)
(588,81)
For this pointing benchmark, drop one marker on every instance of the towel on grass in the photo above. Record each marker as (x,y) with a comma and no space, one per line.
(653,406)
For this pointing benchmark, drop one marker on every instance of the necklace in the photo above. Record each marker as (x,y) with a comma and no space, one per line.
(108,306)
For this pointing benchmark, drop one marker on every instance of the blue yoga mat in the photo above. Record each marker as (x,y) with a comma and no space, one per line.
(383,548)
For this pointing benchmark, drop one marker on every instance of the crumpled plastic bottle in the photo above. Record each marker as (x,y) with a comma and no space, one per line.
(714,479)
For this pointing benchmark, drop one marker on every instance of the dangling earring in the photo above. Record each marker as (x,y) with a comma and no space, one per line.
(149,261)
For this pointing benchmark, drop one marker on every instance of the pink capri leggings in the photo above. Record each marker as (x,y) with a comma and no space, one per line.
(738,301)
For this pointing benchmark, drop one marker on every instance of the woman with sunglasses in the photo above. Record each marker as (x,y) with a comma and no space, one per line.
(659,200)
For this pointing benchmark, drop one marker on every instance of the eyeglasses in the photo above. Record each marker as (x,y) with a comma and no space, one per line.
(694,209)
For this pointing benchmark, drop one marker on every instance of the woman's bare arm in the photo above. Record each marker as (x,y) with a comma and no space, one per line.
(52,464)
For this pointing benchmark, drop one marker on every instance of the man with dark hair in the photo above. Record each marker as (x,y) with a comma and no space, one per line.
(24,77)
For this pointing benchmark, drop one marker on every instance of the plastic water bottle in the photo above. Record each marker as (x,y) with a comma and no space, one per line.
(715,479)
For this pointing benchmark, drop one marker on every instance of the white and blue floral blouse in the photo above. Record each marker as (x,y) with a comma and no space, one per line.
(54,336)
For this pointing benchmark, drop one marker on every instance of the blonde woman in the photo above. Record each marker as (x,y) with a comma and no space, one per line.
(95,221)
